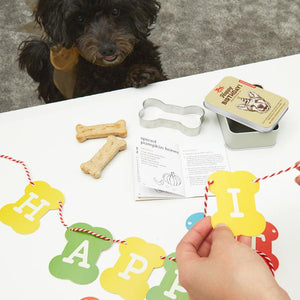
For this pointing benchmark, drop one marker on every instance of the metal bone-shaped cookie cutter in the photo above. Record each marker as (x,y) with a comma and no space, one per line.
(174,109)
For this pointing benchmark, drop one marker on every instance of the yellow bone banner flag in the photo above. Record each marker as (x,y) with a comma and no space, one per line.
(236,202)
(24,215)
(128,278)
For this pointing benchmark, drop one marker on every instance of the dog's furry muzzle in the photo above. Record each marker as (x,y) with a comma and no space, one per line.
(104,45)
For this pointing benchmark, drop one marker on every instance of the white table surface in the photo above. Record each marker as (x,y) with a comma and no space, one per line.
(44,138)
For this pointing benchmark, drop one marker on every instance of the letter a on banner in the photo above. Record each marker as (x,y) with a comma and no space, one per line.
(78,260)
(128,278)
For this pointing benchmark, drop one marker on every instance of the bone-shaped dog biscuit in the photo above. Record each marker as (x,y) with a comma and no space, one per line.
(101,130)
(97,163)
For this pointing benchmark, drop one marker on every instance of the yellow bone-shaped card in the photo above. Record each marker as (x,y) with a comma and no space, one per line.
(24,215)
(128,278)
(236,202)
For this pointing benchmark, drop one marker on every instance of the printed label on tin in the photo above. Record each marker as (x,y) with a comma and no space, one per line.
(246,103)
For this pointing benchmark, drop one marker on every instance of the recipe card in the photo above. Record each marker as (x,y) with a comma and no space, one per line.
(165,170)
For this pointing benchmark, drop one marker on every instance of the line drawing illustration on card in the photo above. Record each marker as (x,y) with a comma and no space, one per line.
(169,178)
(254,104)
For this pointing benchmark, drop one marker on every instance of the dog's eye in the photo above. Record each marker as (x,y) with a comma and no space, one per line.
(115,12)
(80,18)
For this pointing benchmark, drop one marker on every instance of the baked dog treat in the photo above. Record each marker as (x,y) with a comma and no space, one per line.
(98,162)
(102,130)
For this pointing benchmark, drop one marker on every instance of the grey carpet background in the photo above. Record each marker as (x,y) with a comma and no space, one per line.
(195,36)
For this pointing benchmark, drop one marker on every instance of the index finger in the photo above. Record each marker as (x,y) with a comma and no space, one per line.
(191,242)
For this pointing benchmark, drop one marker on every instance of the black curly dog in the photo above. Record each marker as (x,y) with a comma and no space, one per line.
(111,36)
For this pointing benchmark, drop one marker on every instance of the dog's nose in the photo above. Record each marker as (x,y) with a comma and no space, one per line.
(108,50)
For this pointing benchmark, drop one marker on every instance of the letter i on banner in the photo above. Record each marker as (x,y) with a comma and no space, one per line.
(236,202)
(79,257)
(128,278)
(24,215)
(169,287)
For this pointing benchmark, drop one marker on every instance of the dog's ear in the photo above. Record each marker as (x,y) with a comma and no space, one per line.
(242,107)
(145,14)
(49,15)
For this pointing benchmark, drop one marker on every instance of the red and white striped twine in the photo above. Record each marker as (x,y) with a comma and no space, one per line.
(278,173)
(94,233)
(61,215)
(267,260)
(85,230)
(168,258)
(97,235)
(263,255)
(19,162)
(206,196)
(171,258)
(297,165)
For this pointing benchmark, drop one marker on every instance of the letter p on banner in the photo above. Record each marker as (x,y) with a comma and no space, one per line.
(169,288)
(128,278)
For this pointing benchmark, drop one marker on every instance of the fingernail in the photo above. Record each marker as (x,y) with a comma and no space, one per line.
(221,225)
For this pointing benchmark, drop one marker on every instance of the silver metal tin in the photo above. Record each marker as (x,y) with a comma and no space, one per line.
(246,103)
(239,136)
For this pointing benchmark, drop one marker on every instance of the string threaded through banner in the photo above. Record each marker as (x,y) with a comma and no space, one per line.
(85,230)
(96,234)
(278,173)
(21,163)
(263,255)
(254,181)
(267,260)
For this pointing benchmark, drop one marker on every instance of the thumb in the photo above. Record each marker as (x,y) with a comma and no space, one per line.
(221,234)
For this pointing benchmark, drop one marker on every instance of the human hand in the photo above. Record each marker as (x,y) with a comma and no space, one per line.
(213,265)
(297,179)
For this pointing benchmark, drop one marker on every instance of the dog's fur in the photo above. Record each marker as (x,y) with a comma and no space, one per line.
(111,36)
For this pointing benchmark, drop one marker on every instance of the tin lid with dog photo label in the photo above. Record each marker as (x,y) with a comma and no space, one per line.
(246,103)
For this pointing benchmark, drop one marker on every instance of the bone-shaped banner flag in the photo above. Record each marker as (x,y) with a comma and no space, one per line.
(235,193)
(24,215)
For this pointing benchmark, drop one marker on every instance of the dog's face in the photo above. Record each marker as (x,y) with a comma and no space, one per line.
(104,31)
(254,103)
